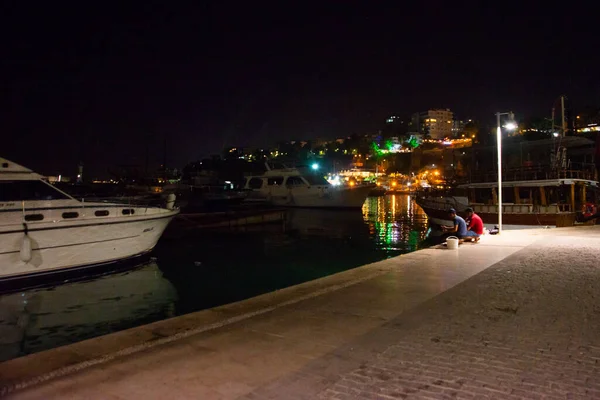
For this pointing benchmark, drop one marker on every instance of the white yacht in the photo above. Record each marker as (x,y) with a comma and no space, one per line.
(290,187)
(44,230)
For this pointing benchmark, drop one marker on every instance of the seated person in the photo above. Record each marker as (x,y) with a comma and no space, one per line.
(474,225)
(459,229)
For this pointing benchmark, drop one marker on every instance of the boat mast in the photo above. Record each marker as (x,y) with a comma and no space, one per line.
(559,156)
(562,106)
(554,154)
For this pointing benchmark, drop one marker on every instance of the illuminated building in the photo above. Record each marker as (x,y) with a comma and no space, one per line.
(587,121)
(589,128)
(437,123)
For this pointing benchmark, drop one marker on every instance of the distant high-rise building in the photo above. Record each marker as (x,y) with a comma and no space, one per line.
(437,123)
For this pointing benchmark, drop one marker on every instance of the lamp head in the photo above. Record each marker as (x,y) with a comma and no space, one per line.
(511,125)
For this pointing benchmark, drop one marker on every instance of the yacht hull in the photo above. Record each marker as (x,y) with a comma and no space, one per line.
(292,187)
(44,230)
(347,198)
(67,246)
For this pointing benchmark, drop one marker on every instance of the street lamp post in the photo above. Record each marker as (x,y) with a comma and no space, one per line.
(510,126)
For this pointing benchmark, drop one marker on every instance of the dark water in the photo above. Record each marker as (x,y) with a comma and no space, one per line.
(194,270)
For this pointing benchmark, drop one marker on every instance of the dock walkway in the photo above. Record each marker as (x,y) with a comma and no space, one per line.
(514,316)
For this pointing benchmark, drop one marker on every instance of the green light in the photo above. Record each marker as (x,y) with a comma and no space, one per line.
(389,145)
(376,150)
(413,142)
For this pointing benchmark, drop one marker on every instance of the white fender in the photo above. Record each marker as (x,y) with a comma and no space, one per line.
(25,252)
(171,201)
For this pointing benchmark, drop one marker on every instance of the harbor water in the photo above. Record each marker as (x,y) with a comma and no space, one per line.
(193,269)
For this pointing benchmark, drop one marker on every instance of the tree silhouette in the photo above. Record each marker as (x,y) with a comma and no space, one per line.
(471,130)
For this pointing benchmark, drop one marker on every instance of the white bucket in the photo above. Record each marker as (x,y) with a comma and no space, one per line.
(452,242)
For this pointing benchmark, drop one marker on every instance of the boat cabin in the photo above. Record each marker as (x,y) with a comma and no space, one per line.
(560,198)
(284,180)
(548,196)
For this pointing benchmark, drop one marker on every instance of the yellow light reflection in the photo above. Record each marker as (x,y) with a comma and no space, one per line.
(396,224)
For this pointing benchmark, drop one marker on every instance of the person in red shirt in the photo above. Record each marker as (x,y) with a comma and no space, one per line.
(474,224)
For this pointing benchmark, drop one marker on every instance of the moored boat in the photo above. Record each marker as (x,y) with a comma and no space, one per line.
(200,198)
(292,187)
(43,230)
(557,199)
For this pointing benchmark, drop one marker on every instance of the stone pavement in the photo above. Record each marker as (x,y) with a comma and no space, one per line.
(515,316)
(528,327)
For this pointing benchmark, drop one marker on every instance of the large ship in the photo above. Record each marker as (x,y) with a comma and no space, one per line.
(554,202)
(44,230)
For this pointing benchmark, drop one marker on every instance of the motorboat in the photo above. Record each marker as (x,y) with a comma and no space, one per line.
(294,187)
(193,198)
(44,230)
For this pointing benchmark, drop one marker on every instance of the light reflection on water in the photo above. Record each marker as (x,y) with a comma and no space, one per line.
(199,269)
(396,222)
(39,319)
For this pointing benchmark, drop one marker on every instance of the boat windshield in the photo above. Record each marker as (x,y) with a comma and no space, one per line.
(316,180)
(28,190)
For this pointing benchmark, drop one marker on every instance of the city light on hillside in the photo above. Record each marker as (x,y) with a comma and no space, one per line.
(334,180)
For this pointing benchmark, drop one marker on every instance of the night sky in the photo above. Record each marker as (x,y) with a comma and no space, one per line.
(100,83)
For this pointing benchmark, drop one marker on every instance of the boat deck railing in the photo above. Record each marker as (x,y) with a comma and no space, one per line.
(446,203)
(134,201)
(534,173)
(513,208)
